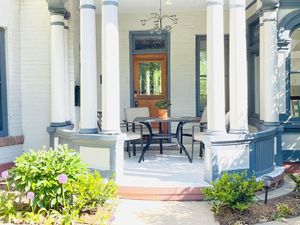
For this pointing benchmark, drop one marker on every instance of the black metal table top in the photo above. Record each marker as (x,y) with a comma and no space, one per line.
(184,119)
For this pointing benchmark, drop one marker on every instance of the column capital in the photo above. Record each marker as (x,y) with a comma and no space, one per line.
(110,2)
(215,2)
(269,5)
(57,7)
(87,4)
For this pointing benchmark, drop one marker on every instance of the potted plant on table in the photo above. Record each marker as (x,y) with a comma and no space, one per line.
(162,106)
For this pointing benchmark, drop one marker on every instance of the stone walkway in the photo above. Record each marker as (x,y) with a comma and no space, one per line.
(136,212)
(133,212)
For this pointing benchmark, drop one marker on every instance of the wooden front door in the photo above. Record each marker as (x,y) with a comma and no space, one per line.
(150,80)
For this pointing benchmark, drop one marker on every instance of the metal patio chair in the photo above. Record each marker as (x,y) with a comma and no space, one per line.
(135,132)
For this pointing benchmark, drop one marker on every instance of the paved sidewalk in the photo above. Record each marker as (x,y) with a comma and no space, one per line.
(134,212)
(292,221)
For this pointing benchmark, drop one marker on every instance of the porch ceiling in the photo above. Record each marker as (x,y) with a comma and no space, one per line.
(127,6)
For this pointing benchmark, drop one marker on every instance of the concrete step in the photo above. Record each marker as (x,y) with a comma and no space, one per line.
(161,193)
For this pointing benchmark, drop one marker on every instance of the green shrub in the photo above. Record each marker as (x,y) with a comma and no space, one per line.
(233,190)
(296,179)
(38,171)
(92,191)
(55,187)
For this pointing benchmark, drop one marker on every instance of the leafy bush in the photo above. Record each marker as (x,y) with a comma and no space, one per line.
(54,187)
(163,104)
(92,191)
(296,179)
(37,171)
(233,190)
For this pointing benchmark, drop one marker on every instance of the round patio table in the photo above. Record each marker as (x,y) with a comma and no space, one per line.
(181,120)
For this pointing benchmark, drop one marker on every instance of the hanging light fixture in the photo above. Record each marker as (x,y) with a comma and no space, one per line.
(157,19)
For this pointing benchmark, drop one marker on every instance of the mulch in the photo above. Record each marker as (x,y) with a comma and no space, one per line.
(259,212)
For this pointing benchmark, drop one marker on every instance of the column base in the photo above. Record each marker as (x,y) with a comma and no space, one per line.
(52,131)
(68,122)
(271,123)
(110,132)
(239,131)
(88,131)
(58,124)
(215,132)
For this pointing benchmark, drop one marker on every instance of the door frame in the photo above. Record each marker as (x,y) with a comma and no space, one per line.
(132,52)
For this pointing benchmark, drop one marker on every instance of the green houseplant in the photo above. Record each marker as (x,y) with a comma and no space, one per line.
(162,107)
(163,104)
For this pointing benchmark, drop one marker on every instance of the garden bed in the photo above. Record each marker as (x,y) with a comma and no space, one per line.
(259,212)
(52,187)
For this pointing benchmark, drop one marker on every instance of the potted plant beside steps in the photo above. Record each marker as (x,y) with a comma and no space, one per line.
(162,111)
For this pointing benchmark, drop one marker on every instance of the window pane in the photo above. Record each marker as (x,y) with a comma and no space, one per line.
(1,109)
(256,84)
(150,78)
(202,70)
(202,66)
(254,33)
(295,74)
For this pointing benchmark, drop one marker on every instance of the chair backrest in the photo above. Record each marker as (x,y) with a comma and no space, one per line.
(204,116)
(132,113)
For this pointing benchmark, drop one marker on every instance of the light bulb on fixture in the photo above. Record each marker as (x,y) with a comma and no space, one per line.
(169,2)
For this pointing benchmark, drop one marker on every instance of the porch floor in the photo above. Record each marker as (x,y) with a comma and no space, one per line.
(170,169)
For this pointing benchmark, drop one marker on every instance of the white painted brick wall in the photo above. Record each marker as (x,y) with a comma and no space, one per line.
(9,19)
(10,153)
(74,68)
(35,70)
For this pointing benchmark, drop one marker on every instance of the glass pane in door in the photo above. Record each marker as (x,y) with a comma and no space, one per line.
(150,78)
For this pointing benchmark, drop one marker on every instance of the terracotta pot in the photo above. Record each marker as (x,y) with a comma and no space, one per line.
(162,113)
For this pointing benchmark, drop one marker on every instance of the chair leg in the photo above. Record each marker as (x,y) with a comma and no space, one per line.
(160,146)
(181,139)
(134,148)
(128,148)
(201,150)
(192,156)
(142,143)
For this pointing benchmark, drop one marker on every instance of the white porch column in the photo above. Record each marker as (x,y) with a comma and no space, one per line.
(67,76)
(88,80)
(261,69)
(58,117)
(110,67)
(270,56)
(238,68)
(215,68)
